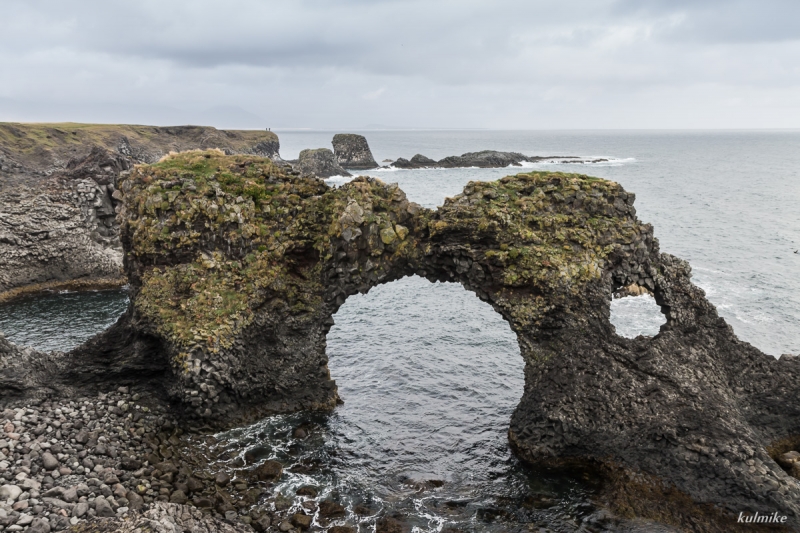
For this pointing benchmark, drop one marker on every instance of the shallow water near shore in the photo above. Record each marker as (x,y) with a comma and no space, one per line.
(60,320)
(430,374)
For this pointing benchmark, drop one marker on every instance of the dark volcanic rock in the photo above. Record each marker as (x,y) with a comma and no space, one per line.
(483,159)
(268,471)
(418,161)
(352,151)
(682,427)
(319,162)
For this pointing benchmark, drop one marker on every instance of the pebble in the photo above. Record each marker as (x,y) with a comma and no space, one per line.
(49,461)
(60,460)
(10,492)
(109,457)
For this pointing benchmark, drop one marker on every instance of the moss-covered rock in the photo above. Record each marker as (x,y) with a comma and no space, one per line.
(237,268)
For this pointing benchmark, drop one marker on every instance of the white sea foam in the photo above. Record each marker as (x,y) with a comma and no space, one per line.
(590,161)
(338,180)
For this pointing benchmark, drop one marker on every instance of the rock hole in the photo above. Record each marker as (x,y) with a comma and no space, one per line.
(634,312)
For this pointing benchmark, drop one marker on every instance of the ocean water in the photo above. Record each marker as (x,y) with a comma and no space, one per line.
(60,320)
(429,374)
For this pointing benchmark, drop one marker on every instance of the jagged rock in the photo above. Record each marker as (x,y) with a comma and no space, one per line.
(352,151)
(682,427)
(319,162)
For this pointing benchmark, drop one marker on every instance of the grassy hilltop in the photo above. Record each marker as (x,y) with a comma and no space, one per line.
(46,145)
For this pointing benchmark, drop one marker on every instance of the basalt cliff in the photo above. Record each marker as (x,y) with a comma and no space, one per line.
(58,198)
(238,265)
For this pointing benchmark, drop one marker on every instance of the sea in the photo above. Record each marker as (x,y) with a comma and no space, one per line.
(430,375)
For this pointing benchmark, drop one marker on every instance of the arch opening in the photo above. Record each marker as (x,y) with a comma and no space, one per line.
(635,312)
(429,376)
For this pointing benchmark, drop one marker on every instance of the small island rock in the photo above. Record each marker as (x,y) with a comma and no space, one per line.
(352,151)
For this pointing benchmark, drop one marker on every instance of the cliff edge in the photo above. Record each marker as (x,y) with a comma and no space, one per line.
(57,195)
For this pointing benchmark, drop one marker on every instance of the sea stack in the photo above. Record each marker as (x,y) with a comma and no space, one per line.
(352,151)
(320,162)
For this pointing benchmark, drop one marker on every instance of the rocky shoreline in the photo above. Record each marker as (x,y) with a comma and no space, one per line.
(237,265)
(117,461)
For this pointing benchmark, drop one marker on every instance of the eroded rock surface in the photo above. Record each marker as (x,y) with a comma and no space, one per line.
(57,195)
(352,151)
(237,269)
(319,162)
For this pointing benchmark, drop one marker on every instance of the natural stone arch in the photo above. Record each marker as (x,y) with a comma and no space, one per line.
(237,268)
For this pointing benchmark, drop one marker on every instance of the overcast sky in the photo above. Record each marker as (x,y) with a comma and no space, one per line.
(525,64)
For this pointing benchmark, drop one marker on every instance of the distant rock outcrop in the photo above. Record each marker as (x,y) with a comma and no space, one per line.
(486,159)
(319,162)
(483,159)
(352,151)
(418,161)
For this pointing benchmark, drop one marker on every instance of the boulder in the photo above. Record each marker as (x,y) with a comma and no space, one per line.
(319,162)
(352,151)
(331,509)
(268,471)
(301,521)
(418,161)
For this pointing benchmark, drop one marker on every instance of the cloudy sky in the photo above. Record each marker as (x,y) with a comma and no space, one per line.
(522,64)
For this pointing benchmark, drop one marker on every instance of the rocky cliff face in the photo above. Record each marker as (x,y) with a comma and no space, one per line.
(237,268)
(352,151)
(319,162)
(57,195)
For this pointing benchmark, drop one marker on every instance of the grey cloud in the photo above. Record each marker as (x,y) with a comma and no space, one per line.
(721,21)
(404,62)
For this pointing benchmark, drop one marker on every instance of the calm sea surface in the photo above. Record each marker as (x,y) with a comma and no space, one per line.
(430,374)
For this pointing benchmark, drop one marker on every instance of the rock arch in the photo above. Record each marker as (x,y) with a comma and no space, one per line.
(237,268)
